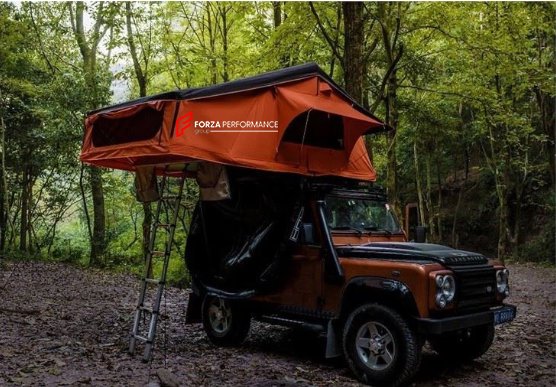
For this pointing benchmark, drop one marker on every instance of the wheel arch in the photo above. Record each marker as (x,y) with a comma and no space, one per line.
(384,291)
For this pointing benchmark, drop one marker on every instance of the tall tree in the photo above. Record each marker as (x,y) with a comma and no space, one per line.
(354,41)
(3,181)
(141,58)
(390,16)
(88,44)
(363,29)
(20,78)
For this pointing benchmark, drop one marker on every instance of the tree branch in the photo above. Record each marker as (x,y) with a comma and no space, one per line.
(78,28)
(51,67)
(391,69)
(443,93)
(97,36)
(325,34)
(133,50)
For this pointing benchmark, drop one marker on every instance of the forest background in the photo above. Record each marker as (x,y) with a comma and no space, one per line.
(469,87)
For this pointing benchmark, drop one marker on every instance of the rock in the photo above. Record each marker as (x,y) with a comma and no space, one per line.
(167,379)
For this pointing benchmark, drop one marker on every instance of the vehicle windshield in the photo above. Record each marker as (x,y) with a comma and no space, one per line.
(360,215)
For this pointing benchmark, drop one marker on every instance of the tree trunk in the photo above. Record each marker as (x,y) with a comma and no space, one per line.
(390,28)
(24,223)
(279,17)
(392,166)
(547,107)
(277,13)
(431,216)
(336,39)
(418,184)
(30,212)
(141,76)
(223,15)
(454,223)
(509,203)
(503,242)
(503,189)
(88,49)
(98,246)
(212,45)
(354,41)
(3,185)
(516,222)
(439,201)
(11,221)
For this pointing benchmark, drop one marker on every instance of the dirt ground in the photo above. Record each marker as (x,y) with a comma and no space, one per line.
(61,325)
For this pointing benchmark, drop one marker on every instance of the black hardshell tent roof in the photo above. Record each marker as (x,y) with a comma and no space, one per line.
(288,74)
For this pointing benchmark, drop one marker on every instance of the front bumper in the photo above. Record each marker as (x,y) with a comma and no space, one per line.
(438,326)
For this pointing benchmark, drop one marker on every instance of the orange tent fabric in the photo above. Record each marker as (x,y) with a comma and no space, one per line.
(295,120)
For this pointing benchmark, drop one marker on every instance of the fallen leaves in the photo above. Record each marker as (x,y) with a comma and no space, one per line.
(75,331)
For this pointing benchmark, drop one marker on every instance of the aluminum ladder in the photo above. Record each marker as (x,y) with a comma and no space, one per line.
(148,306)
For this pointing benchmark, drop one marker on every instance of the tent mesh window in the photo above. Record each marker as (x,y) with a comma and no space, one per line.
(316,128)
(141,126)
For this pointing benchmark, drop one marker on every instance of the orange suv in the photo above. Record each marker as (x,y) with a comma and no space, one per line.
(340,265)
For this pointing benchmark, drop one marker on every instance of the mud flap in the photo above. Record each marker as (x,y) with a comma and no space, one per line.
(333,340)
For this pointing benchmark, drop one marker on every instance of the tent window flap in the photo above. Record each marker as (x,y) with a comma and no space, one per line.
(316,128)
(140,126)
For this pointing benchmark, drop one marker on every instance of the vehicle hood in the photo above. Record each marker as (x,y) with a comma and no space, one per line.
(416,252)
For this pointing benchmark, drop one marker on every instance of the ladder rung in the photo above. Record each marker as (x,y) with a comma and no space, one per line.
(152,281)
(158,253)
(147,309)
(140,338)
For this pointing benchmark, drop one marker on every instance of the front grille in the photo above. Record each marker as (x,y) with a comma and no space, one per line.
(476,287)
(464,260)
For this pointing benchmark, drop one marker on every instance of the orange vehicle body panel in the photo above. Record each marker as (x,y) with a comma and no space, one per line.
(307,289)
(410,274)
(305,281)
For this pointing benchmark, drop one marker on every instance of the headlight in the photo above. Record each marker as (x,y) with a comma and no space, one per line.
(445,290)
(502,282)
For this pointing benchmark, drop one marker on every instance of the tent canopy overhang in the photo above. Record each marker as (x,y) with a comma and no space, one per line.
(294,120)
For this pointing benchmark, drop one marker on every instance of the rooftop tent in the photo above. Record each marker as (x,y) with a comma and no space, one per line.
(294,120)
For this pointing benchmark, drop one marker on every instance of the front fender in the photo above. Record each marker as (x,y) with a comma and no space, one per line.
(393,293)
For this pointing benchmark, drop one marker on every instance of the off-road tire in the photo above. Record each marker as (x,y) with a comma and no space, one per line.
(407,356)
(238,328)
(464,345)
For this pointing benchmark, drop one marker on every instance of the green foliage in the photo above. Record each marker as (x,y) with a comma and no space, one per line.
(541,247)
(177,273)
(473,92)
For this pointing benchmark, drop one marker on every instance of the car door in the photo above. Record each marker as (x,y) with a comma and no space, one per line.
(302,286)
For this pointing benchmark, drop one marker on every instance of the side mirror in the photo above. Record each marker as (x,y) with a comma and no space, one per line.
(308,234)
(414,228)
(420,234)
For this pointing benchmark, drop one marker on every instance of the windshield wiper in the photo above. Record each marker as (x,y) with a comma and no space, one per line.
(347,228)
(374,228)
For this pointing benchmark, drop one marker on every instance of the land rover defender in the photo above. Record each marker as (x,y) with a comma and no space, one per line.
(352,276)
(284,232)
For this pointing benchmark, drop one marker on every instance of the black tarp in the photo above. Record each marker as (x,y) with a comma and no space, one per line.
(244,243)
